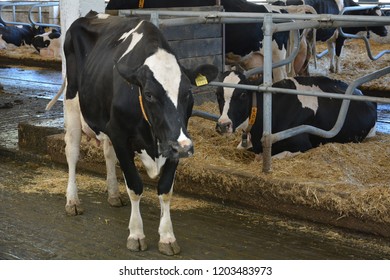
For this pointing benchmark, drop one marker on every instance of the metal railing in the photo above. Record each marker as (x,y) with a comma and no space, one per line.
(355,36)
(32,7)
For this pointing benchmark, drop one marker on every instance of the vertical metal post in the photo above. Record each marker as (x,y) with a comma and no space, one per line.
(267,96)
(40,14)
(14,13)
(154,19)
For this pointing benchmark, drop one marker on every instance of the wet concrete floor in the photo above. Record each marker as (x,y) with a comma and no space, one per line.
(35,226)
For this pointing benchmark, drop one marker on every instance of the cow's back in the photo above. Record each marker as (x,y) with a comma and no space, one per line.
(360,119)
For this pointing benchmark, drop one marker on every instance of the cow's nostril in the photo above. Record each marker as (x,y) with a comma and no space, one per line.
(223,127)
(182,151)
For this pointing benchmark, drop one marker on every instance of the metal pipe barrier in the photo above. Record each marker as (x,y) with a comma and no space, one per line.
(32,5)
(355,36)
(13,6)
(364,38)
(40,6)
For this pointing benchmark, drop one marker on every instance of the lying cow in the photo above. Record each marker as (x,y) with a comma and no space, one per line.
(48,44)
(18,35)
(289,111)
(126,88)
(331,35)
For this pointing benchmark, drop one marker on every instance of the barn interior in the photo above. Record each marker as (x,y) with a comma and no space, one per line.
(342,185)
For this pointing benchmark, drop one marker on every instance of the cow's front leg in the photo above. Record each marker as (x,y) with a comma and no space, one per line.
(167,244)
(136,240)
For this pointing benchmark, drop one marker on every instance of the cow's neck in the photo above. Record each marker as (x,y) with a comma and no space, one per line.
(252,119)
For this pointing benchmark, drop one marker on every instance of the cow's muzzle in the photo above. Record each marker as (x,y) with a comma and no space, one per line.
(177,150)
(225,127)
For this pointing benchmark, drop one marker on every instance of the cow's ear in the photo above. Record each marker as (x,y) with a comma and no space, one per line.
(202,75)
(134,75)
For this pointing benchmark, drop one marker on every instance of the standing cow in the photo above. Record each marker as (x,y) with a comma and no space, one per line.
(290,111)
(125,87)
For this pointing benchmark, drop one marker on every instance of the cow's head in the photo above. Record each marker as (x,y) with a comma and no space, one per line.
(37,30)
(165,88)
(379,30)
(43,40)
(234,104)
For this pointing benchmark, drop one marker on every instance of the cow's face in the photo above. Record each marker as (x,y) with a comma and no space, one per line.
(166,100)
(37,29)
(378,30)
(44,40)
(234,104)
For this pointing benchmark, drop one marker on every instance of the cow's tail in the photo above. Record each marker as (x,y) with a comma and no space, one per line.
(58,95)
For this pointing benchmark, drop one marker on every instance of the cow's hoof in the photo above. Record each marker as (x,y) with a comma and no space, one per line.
(116,201)
(74,210)
(169,249)
(136,245)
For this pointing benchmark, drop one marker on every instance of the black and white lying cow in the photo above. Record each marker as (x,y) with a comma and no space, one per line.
(331,36)
(18,35)
(126,87)
(49,43)
(289,111)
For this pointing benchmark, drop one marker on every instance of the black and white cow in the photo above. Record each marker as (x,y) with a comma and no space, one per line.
(289,111)
(240,39)
(126,87)
(18,35)
(49,43)
(330,35)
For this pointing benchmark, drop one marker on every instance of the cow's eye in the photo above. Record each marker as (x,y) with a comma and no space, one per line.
(148,96)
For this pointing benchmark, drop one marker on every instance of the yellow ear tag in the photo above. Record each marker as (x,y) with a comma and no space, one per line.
(201,80)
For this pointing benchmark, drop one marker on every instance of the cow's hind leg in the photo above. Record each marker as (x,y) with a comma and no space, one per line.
(167,244)
(72,150)
(114,198)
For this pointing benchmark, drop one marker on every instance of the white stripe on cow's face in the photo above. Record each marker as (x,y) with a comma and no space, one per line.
(307,101)
(166,71)
(134,40)
(232,78)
